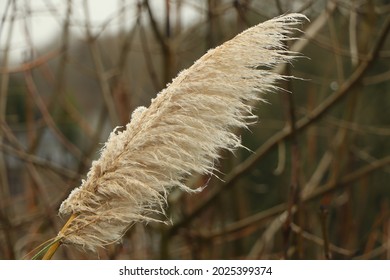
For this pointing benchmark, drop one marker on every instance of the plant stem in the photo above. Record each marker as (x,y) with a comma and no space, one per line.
(53,248)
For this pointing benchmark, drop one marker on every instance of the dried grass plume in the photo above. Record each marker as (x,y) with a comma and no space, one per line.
(181,133)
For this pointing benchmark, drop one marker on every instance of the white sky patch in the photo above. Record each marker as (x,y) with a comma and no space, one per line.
(37,22)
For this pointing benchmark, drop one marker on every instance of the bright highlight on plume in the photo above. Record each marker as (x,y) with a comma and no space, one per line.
(181,133)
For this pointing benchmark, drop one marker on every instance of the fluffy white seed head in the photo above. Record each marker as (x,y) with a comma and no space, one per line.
(180,134)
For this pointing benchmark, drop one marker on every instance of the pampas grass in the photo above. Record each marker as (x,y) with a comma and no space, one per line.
(181,133)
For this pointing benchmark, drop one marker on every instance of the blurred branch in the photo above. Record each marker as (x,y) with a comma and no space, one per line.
(121,73)
(4,81)
(30,160)
(32,64)
(148,60)
(4,17)
(381,249)
(314,28)
(41,193)
(157,33)
(259,248)
(378,78)
(41,162)
(359,128)
(294,189)
(344,182)
(6,227)
(353,44)
(325,234)
(57,93)
(164,41)
(78,118)
(32,90)
(102,79)
(319,241)
(241,9)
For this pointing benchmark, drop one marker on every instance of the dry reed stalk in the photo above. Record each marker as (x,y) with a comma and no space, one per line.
(180,134)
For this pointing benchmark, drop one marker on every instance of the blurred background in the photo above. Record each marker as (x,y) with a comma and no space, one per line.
(314,184)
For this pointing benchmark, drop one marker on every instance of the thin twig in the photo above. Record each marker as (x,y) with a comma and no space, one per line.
(102,79)
(317,193)
(324,228)
(148,60)
(4,81)
(317,240)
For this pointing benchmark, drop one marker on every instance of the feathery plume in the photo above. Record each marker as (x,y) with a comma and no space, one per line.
(181,133)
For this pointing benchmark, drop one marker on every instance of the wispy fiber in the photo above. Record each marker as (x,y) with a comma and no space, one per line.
(181,133)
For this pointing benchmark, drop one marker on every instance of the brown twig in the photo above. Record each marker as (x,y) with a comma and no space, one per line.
(100,73)
(324,227)
(165,41)
(4,82)
(149,61)
(317,193)
(319,241)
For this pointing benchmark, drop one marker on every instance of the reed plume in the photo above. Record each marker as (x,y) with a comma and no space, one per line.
(181,133)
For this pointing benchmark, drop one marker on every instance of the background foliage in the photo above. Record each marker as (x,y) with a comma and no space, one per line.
(314,185)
